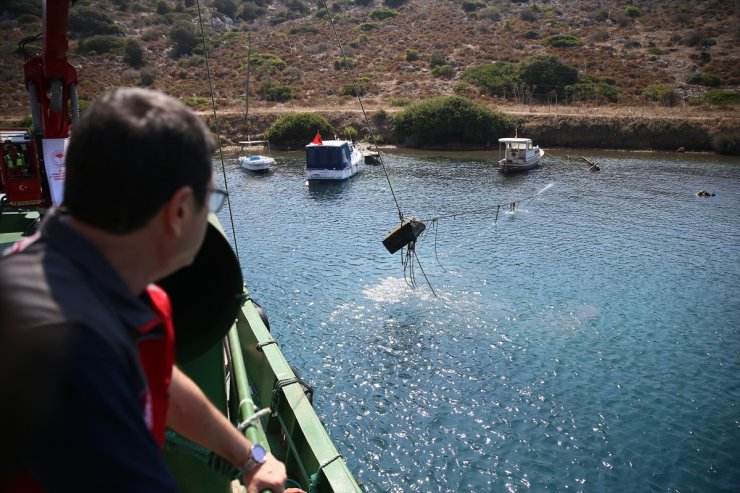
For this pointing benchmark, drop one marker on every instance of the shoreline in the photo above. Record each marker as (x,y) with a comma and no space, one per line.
(548,130)
(617,128)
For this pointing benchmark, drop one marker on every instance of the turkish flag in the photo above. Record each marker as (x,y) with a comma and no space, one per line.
(317,139)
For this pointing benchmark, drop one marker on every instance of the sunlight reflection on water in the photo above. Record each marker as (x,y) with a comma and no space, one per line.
(588,340)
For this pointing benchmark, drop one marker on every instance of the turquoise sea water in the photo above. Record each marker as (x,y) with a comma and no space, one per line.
(588,340)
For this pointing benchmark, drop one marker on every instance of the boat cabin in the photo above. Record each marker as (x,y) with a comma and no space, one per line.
(20,174)
(516,145)
(330,154)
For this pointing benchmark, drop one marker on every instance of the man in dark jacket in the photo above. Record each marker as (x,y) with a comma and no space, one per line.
(77,308)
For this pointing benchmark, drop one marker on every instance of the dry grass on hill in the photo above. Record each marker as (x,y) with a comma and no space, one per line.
(635,43)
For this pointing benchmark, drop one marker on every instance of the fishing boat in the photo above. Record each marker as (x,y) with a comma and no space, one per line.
(256,162)
(331,159)
(223,343)
(519,154)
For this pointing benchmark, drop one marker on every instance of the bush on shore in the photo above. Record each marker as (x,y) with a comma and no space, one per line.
(450,120)
(297,129)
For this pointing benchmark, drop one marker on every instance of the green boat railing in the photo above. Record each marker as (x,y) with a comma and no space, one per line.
(241,368)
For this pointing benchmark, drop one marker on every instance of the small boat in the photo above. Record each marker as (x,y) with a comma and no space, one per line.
(519,154)
(253,162)
(256,162)
(332,159)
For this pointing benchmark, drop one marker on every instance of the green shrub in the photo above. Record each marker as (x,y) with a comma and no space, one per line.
(147,77)
(383,14)
(592,91)
(184,37)
(546,74)
(496,79)
(350,133)
(357,89)
(562,41)
(99,44)
(364,3)
(20,7)
(491,13)
(528,15)
(28,19)
(380,116)
(344,63)
(632,11)
(531,35)
(250,11)
(472,5)
(226,7)
(133,54)
(444,71)
(437,58)
(461,88)
(410,55)
(278,92)
(272,62)
(191,61)
(367,26)
(705,79)
(400,102)
(197,103)
(362,39)
(163,7)
(394,4)
(450,119)
(722,97)
(661,93)
(297,129)
(90,21)
(693,38)
(303,30)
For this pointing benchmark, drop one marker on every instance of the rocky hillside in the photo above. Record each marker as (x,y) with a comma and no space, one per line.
(399,50)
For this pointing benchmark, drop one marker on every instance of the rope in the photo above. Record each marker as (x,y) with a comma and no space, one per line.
(316,477)
(218,132)
(261,345)
(510,206)
(275,404)
(362,107)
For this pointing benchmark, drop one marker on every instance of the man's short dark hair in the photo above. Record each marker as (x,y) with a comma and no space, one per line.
(130,152)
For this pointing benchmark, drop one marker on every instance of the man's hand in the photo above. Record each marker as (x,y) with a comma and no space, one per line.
(270,475)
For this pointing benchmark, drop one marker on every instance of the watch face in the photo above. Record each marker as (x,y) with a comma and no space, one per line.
(259,454)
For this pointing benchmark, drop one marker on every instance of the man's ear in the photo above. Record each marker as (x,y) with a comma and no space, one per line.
(177,210)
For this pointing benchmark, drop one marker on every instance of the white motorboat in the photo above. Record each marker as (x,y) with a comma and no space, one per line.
(519,154)
(256,162)
(332,159)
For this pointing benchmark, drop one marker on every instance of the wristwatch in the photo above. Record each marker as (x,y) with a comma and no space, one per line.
(257,457)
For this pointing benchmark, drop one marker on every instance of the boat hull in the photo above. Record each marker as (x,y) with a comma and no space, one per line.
(256,163)
(515,165)
(333,174)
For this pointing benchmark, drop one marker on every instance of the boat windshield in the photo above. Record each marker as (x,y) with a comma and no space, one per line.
(518,145)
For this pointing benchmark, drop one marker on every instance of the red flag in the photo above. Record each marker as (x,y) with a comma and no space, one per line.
(317,139)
